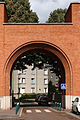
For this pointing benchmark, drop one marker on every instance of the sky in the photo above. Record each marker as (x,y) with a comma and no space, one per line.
(43,8)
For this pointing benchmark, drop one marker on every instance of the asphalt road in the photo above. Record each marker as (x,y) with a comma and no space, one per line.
(43,113)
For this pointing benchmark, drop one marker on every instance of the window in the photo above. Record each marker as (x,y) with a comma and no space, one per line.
(32,80)
(51,76)
(18,90)
(22,90)
(23,80)
(19,80)
(32,90)
(19,71)
(45,90)
(51,71)
(57,78)
(46,72)
(46,81)
(22,71)
(77,100)
(32,72)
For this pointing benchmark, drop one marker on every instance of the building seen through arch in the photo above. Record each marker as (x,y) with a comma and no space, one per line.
(33,81)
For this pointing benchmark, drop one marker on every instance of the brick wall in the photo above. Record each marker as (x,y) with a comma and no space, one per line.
(61,39)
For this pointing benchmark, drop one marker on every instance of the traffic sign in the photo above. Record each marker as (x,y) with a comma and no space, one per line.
(63,86)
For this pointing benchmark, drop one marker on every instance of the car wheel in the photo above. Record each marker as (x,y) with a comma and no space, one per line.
(77,111)
(72,110)
(39,103)
(46,103)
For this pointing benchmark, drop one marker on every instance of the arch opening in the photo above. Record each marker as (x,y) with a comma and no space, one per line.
(50,50)
(46,73)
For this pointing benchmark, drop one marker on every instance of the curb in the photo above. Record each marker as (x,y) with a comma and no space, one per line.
(20,112)
(69,113)
(7,116)
(72,114)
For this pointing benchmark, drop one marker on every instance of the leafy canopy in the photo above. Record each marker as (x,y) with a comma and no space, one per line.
(51,90)
(57,16)
(19,11)
(39,60)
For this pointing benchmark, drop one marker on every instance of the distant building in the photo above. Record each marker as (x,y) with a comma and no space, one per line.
(32,81)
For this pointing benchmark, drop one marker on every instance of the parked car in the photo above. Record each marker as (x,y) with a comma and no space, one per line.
(42,100)
(37,97)
(76,105)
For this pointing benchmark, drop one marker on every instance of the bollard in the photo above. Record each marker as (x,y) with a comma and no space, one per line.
(19,101)
(17,107)
(60,106)
(56,105)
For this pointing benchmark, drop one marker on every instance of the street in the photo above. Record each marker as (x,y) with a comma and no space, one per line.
(43,113)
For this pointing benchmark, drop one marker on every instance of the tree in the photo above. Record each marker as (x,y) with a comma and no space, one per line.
(38,59)
(57,16)
(51,90)
(19,11)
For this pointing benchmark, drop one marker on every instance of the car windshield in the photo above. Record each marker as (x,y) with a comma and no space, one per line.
(76,100)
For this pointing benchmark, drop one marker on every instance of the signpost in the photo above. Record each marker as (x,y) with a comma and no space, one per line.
(63,87)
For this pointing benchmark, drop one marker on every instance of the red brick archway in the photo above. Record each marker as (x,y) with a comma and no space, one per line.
(43,46)
(61,39)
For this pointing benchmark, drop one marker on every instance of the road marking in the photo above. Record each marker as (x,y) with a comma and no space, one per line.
(20,112)
(28,111)
(46,110)
(39,111)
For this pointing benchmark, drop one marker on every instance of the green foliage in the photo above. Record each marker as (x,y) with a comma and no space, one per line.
(51,90)
(38,60)
(31,96)
(57,16)
(2,0)
(28,96)
(19,11)
(41,94)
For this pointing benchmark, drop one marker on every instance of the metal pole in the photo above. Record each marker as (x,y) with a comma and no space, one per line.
(63,100)
(18,91)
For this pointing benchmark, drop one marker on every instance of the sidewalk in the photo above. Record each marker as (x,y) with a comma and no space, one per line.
(67,112)
(8,113)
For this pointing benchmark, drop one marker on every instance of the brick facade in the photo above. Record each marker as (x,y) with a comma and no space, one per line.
(63,40)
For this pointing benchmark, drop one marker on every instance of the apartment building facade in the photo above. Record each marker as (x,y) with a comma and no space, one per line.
(30,81)
(33,81)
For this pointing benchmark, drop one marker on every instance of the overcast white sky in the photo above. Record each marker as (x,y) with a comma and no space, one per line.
(44,7)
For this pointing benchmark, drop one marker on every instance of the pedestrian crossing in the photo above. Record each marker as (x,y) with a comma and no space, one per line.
(38,111)
(28,111)
(46,110)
